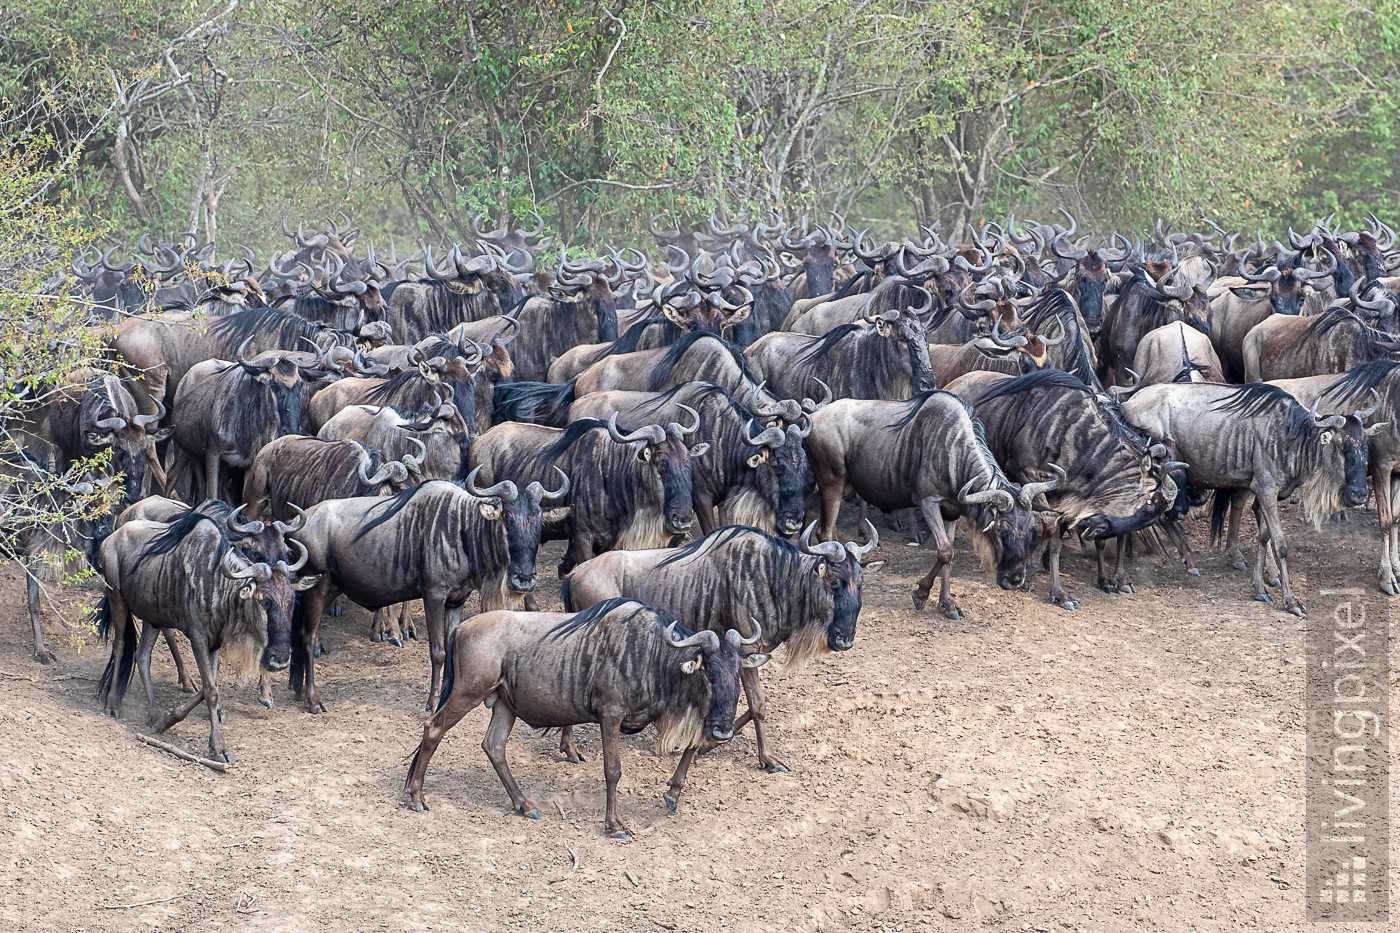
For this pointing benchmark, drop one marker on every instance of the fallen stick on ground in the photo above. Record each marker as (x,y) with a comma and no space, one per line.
(181,753)
(159,900)
(571,870)
(28,677)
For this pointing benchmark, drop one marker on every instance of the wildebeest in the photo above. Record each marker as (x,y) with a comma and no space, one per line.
(630,490)
(1050,417)
(927,453)
(437,542)
(1287,347)
(470,290)
(225,412)
(91,412)
(750,476)
(1142,307)
(886,357)
(550,326)
(820,316)
(620,664)
(1257,439)
(808,595)
(298,472)
(1176,353)
(190,576)
(453,377)
(395,433)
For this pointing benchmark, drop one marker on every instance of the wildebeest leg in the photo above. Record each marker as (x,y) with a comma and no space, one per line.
(1267,546)
(406,624)
(120,615)
(149,636)
(494,745)
(1232,540)
(1058,596)
(705,512)
(31,586)
(831,509)
(435,613)
(1120,571)
(1385,516)
(177,468)
(1183,547)
(302,677)
(677,784)
(178,713)
(209,673)
(458,704)
(181,674)
(611,727)
(568,747)
(580,550)
(1100,545)
(945,592)
(265,689)
(212,489)
(1274,522)
(944,547)
(753,693)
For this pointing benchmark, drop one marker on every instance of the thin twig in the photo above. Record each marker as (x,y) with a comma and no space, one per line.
(632,878)
(562,814)
(28,677)
(181,753)
(159,900)
(571,870)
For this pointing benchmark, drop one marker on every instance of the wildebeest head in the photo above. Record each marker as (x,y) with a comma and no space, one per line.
(783,473)
(666,451)
(270,584)
(1287,287)
(279,372)
(108,417)
(905,326)
(720,659)
(1005,520)
(524,518)
(841,569)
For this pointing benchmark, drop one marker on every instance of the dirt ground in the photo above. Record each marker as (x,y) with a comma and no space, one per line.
(1136,764)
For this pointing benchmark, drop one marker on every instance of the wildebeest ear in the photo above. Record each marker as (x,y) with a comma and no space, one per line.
(306,583)
(247,591)
(699,450)
(162,435)
(557,515)
(822,569)
(754,660)
(872,567)
(264,377)
(645,455)
(1325,437)
(1378,427)
(882,328)
(760,457)
(491,511)
(691,666)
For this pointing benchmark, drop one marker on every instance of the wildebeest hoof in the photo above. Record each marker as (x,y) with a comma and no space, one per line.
(777,767)
(44,656)
(219,712)
(188,688)
(266,701)
(1388,588)
(1264,598)
(418,806)
(1194,571)
(1068,605)
(333,609)
(220,756)
(1297,611)
(317,709)
(671,802)
(1126,588)
(952,612)
(1274,582)
(396,642)
(1241,565)
(321,651)
(919,603)
(530,814)
(622,834)
(1108,588)
(377,637)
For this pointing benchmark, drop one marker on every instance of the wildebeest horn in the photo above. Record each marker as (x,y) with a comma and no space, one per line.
(1058,340)
(797,431)
(243,528)
(706,639)
(1331,421)
(858,551)
(260,572)
(391,471)
(1001,341)
(1368,412)
(676,428)
(111,425)
(1030,490)
(294,525)
(1002,499)
(536,489)
(1172,465)
(504,490)
(1383,305)
(433,271)
(737,640)
(252,366)
(647,434)
(768,437)
(412,463)
(147,423)
(810,406)
(291,569)
(831,550)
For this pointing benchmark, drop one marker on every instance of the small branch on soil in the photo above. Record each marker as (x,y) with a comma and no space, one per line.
(181,753)
(571,870)
(632,878)
(28,677)
(562,814)
(159,900)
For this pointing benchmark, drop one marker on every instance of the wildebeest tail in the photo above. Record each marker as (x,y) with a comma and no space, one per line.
(533,402)
(1219,511)
(118,670)
(565,593)
(296,671)
(449,669)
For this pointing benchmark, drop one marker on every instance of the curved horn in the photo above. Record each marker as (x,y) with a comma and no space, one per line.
(559,493)
(1002,499)
(831,550)
(260,572)
(504,490)
(240,527)
(1030,490)
(706,640)
(858,551)
(648,434)
(415,464)
(290,570)
(294,525)
(768,437)
(810,406)
(148,422)
(1368,412)
(683,431)
(389,471)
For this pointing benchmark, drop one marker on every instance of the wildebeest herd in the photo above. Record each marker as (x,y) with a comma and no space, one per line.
(387,429)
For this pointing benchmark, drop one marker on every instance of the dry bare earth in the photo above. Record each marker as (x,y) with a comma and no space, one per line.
(1136,764)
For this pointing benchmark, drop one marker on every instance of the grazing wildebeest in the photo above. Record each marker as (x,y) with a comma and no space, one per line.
(224,413)
(1287,347)
(1377,385)
(1257,439)
(437,542)
(749,476)
(1176,353)
(809,597)
(191,576)
(621,664)
(927,453)
(886,357)
(395,433)
(1050,417)
(93,411)
(630,490)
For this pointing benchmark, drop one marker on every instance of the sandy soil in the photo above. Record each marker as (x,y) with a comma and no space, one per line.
(1133,765)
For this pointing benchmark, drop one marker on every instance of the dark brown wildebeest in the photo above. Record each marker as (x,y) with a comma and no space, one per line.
(224,413)
(1142,307)
(1376,385)
(885,357)
(1050,417)
(749,476)
(927,453)
(192,577)
(632,490)
(1256,439)
(470,290)
(550,326)
(641,669)
(808,595)
(1088,278)
(1176,353)
(93,411)
(396,433)
(1287,347)
(437,542)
